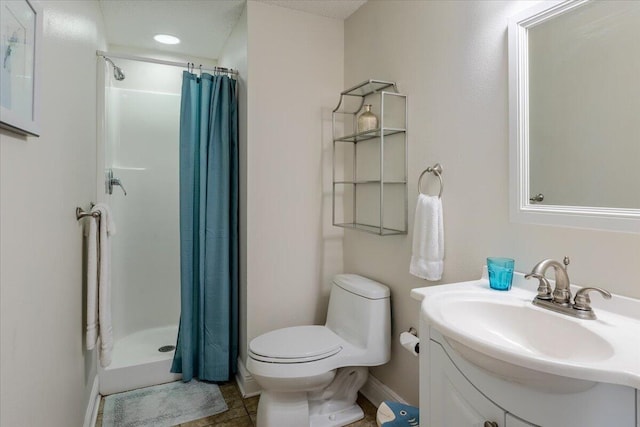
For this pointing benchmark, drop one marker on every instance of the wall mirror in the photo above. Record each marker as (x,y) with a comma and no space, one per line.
(574,115)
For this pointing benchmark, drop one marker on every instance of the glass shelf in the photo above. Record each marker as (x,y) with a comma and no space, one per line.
(370,134)
(370,228)
(368,87)
(370,181)
(375,206)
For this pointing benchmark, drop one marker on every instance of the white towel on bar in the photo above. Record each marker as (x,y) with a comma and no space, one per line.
(91,231)
(107,229)
(427,259)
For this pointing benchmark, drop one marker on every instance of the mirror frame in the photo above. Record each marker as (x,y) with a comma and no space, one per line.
(521,210)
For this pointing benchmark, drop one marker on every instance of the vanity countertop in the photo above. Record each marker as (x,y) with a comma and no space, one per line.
(507,327)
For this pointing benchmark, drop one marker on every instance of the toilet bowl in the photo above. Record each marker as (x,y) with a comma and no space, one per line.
(310,375)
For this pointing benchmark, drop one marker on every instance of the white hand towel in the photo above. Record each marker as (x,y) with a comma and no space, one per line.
(91,231)
(107,229)
(427,259)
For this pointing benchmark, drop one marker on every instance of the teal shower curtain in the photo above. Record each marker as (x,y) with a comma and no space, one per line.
(207,346)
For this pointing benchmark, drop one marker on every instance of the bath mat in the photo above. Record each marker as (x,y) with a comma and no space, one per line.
(163,405)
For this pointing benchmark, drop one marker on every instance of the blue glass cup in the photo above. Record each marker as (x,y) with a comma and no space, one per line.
(500,273)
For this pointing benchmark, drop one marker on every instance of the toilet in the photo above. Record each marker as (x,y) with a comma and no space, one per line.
(310,375)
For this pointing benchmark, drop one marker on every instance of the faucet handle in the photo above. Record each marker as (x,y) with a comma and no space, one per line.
(582,300)
(544,287)
(566,261)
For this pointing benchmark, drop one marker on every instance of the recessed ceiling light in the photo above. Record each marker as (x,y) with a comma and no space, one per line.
(166,39)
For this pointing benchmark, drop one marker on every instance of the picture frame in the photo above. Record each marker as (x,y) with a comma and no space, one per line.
(20,52)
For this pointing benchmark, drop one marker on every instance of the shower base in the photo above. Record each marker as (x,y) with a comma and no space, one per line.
(136,361)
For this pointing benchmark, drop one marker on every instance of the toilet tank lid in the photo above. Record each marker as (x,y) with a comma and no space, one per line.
(362,286)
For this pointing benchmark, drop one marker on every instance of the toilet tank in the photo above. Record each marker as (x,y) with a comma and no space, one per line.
(359,311)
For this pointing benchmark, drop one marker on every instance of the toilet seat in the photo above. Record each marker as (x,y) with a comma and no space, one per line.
(298,344)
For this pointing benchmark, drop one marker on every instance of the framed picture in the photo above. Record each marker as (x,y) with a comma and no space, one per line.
(20,47)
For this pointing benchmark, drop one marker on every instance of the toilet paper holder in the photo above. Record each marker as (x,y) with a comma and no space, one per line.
(413,332)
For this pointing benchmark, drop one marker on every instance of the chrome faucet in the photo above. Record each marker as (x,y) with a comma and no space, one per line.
(562,293)
(560,299)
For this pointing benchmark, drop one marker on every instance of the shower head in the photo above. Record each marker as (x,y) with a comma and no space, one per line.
(117,71)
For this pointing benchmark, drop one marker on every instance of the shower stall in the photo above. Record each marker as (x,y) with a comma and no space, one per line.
(138,137)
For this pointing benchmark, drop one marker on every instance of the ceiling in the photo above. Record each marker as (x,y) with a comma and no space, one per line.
(202,25)
(338,9)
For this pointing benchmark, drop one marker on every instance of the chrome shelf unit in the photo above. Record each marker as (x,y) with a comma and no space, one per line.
(391,107)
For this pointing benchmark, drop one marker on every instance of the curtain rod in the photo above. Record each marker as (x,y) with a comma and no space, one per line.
(165,62)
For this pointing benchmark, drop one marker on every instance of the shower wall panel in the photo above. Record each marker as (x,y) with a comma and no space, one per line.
(142,150)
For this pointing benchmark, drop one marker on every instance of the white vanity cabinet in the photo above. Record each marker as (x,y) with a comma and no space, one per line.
(454,400)
(512,421)
(459,394)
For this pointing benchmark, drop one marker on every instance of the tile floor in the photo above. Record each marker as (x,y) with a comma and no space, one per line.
(242,412)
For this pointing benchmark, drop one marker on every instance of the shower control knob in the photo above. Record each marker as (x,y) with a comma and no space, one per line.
(490,424)
(111,181)
(116,181)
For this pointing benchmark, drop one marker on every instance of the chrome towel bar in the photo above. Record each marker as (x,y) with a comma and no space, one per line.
(80,213)
(437,171)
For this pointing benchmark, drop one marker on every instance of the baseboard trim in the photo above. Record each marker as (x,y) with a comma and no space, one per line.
(246,383)
(91,413)
(376,392)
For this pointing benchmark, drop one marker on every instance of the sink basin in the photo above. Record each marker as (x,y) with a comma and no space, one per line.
(504,333)
(519,328)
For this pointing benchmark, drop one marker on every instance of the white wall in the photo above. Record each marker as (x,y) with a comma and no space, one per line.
(295,66)
(450,58)
(46,375)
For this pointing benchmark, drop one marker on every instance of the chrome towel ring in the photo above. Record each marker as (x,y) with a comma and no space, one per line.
(437,171)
